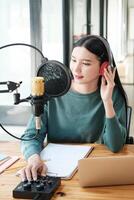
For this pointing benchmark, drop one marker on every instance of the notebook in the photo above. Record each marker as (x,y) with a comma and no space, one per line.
(62,159)
(7,163)
(102,171)
(3,157)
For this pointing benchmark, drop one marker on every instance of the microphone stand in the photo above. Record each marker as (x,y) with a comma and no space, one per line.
(11,86)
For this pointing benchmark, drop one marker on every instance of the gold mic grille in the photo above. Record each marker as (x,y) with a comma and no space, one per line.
(38,88)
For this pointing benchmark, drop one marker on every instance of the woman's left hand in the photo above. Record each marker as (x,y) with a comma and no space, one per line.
(107,84)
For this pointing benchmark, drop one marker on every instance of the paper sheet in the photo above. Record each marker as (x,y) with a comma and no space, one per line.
(62,159)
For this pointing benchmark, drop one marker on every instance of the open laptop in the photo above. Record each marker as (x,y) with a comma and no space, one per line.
(106,171)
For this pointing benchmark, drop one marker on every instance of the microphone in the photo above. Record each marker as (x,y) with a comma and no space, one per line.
(53,80)
(37,99)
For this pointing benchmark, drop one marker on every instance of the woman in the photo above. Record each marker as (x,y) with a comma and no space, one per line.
(94,109)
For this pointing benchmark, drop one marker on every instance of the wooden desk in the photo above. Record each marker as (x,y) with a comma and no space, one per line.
(71,188)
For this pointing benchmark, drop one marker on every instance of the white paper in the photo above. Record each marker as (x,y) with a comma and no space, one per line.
(62,159)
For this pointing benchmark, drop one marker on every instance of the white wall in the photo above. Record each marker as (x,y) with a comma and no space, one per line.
(115,28)
(130,25)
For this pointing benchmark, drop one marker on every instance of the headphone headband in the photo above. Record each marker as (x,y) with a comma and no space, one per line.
(107,46)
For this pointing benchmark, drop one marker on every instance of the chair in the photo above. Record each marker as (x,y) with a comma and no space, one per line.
(130,139)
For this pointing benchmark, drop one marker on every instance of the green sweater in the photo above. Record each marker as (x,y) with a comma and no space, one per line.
(78,118)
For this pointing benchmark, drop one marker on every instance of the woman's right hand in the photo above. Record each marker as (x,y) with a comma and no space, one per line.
(35,167)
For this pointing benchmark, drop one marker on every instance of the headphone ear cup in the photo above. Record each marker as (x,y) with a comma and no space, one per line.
(104,65)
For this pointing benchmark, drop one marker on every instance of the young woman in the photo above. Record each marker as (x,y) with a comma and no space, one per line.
(94,109)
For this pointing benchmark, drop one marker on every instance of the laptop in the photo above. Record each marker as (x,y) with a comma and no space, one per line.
(106,171)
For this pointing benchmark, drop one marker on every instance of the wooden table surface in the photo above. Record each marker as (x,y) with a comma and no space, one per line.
(71,188)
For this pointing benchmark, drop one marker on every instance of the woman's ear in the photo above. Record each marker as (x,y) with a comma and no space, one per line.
(103,66)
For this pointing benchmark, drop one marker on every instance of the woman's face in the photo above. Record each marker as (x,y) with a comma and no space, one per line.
(84,66)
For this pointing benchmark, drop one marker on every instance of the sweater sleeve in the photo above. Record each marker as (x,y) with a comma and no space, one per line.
(34,146)
(114,132)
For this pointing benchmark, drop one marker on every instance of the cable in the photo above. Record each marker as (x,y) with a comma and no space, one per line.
(24,44)
(23,139)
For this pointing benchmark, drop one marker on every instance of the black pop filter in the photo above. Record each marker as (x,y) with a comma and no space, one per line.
(57,78)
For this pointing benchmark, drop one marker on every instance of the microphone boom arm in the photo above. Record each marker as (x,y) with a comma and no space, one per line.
(11,86)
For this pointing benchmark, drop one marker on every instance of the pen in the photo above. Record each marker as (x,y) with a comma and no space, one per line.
(46,160)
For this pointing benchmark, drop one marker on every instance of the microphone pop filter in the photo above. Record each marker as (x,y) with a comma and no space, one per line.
(57,78)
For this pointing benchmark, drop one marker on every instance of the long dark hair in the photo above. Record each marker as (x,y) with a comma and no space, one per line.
(100,47)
